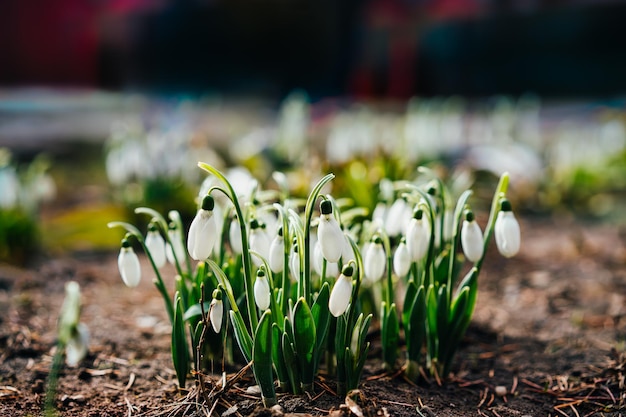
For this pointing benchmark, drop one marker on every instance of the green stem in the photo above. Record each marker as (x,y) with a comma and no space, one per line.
(247,261)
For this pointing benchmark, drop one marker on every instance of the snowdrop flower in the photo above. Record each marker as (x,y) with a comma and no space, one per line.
(418,236)
(507,231)
(77,346)
(216,311)
(341,293)
(261,290)
(402,259)
(234,237)
(397,217)
(175,237)
(329,233)
(259,242)
(294,261)
(128,264)
(332,268)
(203,231)
(156,245)
(471,238)
(277,252)
(375,260)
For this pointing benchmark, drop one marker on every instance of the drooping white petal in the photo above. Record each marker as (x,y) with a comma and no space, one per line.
(234,237)
(216,311)
(262,292)
(396,217)
(128,264)
(179,249)
(340,296)
(374,262)
(418,238)
(294,262)
(472,240)
(402,260)
(156,246)
(507,233)
(277,254)
(260,243)
(330,237)
(77,346)
(202,235)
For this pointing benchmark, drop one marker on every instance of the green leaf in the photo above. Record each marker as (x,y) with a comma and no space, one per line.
(289,354)
(241,335)
(416,329)
(431,320)
(409,301)
(262,359)
(278,356)
(180,351)
(390,335)
(196,310)
(321,315)
(305,340)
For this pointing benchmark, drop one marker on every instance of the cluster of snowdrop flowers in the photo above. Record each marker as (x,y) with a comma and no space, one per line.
(288,275)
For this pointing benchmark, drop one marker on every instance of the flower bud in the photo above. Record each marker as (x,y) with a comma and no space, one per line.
(156,246)
(507,231)
(261,290)
(216,311)
(128,264)
(471,238)
(203,231)
(402,259)
(418,236)
(294,261)
(259,242)
(175,237)
(77,346)
(329,233)
(234,237)
(277,252)
(375,261)
(341,293)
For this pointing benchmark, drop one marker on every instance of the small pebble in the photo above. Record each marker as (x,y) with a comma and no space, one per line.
(501,391)
(253,390)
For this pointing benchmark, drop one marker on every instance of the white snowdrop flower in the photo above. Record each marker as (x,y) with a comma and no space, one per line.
(471,238)
(234,237)
(216,311)
(261,290)
(374,260)
(329,233)
(418,236)
(397,216)
(203,231)
(77,346)
(380,212)
(175,237)
(332,268)
(341,293)
(402,259)
(294,261)
(128,264)
(507,231)
(259,242)
(277,252)
(448,225)
(156,245)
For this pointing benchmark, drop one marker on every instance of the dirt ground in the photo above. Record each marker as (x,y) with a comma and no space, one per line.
(548,339)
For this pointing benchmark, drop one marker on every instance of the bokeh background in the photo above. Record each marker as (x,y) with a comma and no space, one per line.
(106,105)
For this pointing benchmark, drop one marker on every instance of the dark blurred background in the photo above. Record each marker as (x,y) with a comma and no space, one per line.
(349,48)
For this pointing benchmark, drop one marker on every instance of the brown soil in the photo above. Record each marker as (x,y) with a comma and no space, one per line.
(545,341)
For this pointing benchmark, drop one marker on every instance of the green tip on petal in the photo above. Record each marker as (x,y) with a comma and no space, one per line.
(208,203)
(125,243)
(348,270)
(469,215)
(418,214)
(254,224)
(505,205)
(217,294)
(261,271)
(326,207)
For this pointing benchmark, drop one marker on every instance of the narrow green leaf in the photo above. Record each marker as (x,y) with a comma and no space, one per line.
(278,357)
(416,336)
(262,359)
(241,335)
(390,335)
(305,339)
(180,351)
